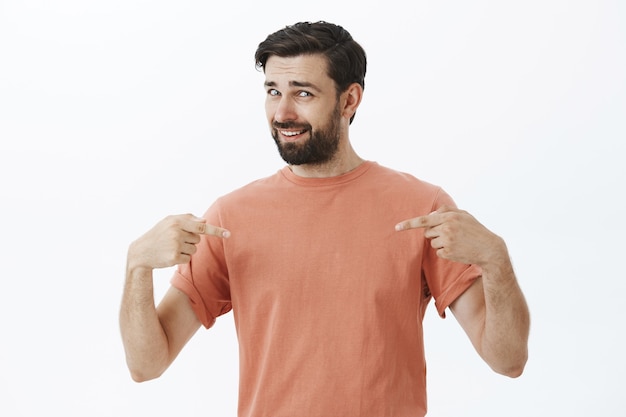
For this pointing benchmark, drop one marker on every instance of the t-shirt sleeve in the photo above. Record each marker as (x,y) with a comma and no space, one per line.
(446,280)
(205,278)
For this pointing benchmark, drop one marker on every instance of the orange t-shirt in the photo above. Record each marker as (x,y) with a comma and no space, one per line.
(328,299)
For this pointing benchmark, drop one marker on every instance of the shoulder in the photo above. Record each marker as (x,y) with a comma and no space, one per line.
(251,190)
(405,188)
(392,177)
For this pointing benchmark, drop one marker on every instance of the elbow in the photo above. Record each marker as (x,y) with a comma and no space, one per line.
(142,376)
(144,372)
(145,367)
(514,372)
(512,369)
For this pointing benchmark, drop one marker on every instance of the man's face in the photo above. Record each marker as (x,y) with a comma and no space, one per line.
(302,108)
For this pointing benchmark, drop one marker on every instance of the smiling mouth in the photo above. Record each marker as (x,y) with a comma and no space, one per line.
(291,135)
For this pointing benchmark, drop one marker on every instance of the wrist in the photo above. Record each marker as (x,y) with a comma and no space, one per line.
(497,260)
(136,263)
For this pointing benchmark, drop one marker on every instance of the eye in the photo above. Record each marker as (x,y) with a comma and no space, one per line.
(273,92)
(304,94)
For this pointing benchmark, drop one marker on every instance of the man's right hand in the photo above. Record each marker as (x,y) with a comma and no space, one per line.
(170,242)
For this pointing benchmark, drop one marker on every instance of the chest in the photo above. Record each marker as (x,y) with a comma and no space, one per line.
(331,253)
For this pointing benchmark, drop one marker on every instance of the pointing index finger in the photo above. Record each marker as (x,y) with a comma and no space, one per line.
(200,226)
(215,231)
(420,222)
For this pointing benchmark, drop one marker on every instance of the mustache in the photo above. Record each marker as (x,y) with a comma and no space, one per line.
(291,125)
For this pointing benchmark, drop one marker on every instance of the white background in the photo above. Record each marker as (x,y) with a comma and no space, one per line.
(116,113)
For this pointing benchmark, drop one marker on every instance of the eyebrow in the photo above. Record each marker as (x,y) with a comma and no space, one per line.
(295,84)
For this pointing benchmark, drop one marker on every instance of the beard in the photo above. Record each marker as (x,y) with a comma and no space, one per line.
(320,147)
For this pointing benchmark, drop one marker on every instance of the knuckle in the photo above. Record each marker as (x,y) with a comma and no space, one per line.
(170,219)
(172,234)
(182,259)
(171,259)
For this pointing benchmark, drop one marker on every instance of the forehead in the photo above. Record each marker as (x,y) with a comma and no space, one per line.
(300,68)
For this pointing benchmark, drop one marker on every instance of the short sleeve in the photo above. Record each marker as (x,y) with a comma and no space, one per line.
(446,280)
(205,278)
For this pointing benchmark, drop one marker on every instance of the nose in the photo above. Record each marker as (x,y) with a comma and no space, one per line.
(285,110)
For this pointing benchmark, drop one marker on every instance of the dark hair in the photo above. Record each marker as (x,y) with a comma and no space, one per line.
(346,58)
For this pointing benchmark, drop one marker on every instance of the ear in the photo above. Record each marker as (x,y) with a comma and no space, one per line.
(350,100)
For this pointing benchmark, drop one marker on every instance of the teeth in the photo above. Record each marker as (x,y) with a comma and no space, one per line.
(284,133)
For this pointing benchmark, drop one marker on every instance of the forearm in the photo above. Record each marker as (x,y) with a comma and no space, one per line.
(144,339)
(504,342)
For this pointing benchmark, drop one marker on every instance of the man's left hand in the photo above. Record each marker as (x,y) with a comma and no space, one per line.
(457,236)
